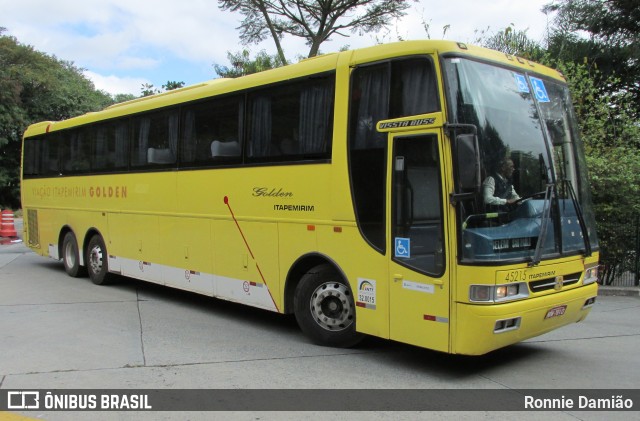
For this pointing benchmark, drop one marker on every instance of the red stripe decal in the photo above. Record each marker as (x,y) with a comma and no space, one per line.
(246,243)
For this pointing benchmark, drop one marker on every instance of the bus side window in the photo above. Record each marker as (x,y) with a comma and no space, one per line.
(272,118)
(211,132)
(155,138)
(413,88)
(380,91)
(50,153)
(292,122)
(110,146)
(31,153)
(367,151)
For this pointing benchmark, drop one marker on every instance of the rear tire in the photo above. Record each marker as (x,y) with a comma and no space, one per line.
(71,256)
(97,261)
(324,308)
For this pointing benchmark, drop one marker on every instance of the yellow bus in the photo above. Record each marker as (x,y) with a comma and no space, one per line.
(351,190)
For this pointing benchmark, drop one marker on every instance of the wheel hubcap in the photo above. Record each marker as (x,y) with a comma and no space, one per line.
(95,259)
(331,306)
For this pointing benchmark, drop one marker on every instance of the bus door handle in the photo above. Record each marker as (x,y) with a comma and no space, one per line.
(397,277)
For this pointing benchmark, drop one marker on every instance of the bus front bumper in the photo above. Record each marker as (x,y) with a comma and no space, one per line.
(483,328)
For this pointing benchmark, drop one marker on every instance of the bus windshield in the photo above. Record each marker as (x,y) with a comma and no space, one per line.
(534,199)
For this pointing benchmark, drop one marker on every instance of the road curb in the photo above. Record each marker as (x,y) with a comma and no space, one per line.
(619,291)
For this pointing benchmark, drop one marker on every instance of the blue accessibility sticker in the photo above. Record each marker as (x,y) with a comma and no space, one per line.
(539,89)
(403,247)
(521,81)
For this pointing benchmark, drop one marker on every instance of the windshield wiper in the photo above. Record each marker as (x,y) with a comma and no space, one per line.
(583,225)
(542,236)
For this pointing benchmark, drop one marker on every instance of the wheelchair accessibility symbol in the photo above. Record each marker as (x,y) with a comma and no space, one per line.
(521,81)
(539,89)
(403,247)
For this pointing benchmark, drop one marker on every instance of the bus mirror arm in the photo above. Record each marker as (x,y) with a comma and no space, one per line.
(454,127)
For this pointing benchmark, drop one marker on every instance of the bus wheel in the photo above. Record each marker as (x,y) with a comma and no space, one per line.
(71,256)
(324,308)
(97,263)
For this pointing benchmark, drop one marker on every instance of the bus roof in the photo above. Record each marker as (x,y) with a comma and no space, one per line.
(319,64)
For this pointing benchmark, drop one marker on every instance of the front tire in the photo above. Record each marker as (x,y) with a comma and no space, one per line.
(324,308)
(71,256)
(97,261)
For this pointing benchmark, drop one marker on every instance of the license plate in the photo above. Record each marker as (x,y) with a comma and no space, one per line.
(555,312)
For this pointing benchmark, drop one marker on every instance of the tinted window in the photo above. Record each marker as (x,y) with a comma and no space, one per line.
(75,151)
(379,92)
(50,155)
(155,139)
(211,132)
(291,122)
(30,164)
(111,145)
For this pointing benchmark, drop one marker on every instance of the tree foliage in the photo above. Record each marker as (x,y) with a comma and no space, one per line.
(605,34)
(172,85)
(147,89)
(316,21)
(513,42)
(612,139)
(242,64)
(35,87)
(596,44)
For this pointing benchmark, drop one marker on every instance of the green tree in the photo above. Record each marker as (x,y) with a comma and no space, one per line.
(313,20)
(612,140)
(35,87)
(171,85)
(242,64)
(118,98)
(147,89)
(513,42)
(604,33)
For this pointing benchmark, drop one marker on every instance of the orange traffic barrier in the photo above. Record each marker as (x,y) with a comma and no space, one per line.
(7,229)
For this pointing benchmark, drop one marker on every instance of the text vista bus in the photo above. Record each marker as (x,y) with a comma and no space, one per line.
(346,189)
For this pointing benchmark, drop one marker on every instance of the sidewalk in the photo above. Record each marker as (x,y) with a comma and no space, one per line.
(619,291)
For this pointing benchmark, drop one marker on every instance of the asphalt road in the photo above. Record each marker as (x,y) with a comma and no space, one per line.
(58,332)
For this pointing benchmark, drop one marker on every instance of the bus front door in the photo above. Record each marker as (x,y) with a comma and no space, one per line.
(419,284)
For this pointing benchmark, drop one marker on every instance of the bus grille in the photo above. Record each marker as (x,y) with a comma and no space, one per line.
(550,283)
(34,234)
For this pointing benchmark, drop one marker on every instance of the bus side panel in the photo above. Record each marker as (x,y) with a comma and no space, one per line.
(134,240)
(187,251)
(295,240)
(50,223)
(246,262)
(366,271)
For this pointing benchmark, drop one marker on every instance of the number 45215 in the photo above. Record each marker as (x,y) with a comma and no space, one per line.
(516,275)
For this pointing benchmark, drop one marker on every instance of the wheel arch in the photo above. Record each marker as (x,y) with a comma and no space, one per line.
(63,232)
(301,266)
(87,237)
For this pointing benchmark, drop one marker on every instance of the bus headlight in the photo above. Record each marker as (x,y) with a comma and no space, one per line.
(590,275)
(498,293)
(481,293)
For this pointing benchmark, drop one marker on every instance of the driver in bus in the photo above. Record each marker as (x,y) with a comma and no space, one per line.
(497,189)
